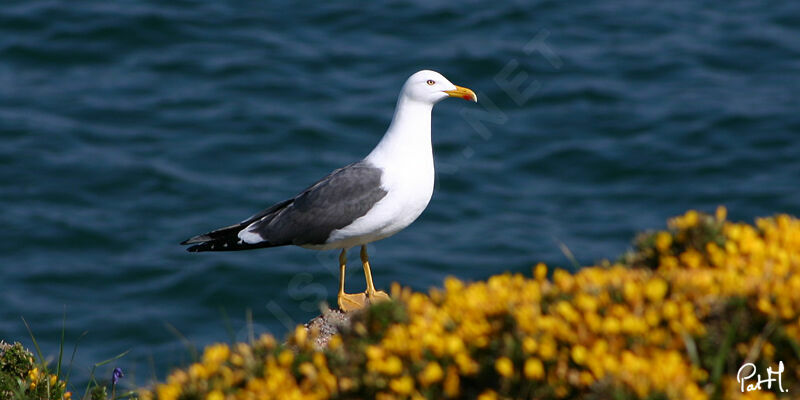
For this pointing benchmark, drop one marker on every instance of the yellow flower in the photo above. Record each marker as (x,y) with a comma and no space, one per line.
(768,350)
(663,241)
(611,325)
(540,272)
(320,360)
(529,345)
(504,367)
(198,371)
(286,358)
(655,289)
(454,344)
(451,382)
(215,395)
(466,365)
(721,213)
(488,394)
(385,396)
(237,360)
(534,369)
(692,258)
(392,366)
(432,373)
(670,310)
(267,341)
(403,385)
(374,352)
(308,370)
(632,292)
(579,354)
(547,348)
(168,391)
(586,378)
(216,354)
(566,311)
(300,334)
(690,219)
(453,284)
(668,262)
(764,305)
(586,302)
(335,342)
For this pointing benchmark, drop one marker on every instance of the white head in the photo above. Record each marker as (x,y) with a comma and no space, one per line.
(430,87)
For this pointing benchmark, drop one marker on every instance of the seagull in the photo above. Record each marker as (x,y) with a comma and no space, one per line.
(360,203)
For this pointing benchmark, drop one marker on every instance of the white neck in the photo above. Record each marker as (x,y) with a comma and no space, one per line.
(408,139)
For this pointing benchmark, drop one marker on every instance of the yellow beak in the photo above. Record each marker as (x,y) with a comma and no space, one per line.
(464,93)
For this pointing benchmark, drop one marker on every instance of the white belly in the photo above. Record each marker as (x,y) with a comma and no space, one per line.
(408,193)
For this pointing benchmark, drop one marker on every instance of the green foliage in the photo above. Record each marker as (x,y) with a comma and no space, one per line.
(21,378)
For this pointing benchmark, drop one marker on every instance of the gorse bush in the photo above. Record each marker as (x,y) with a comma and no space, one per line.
(675,318)
(22,378)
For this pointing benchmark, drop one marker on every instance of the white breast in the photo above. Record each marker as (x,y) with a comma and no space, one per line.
(408,190)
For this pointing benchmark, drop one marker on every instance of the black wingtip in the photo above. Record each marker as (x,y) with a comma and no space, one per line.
(196,239)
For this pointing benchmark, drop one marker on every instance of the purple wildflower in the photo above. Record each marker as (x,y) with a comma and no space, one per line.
(116,375)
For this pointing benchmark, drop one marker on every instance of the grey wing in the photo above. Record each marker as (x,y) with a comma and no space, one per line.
(332,203)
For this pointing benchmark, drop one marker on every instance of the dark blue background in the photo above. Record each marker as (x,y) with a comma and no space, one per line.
(128,126)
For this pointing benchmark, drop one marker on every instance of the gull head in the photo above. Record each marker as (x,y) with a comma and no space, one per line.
(430,87)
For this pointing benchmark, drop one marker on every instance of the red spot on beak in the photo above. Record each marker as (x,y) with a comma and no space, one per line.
(467,97)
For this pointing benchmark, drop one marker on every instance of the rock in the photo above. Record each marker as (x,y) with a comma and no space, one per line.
(327,325)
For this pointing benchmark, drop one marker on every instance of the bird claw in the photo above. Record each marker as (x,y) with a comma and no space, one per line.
(351,302)
(378,296)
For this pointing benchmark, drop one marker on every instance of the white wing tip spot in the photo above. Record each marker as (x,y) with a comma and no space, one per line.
(250,237)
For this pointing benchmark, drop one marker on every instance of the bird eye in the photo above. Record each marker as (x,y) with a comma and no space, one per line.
(431,82)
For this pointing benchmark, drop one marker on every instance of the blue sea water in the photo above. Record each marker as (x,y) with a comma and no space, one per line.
(128,126)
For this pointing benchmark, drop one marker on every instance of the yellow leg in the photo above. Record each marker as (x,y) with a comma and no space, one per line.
(348,302)
(372,294)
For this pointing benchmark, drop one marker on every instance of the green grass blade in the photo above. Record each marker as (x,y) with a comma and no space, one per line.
(151,362)
(92,379)
(72,359)
(691,349)
(61,344)
(35,345)
(116,357)
(718,363)
(251,334)
(86,393)
(228,326)
(128,394)
(186,342)
(568,254)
